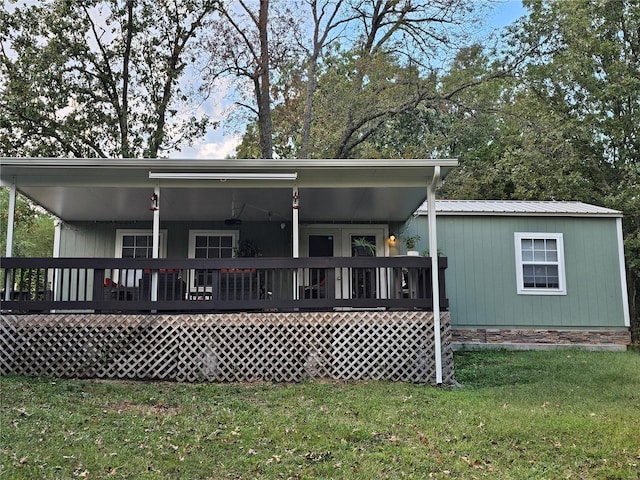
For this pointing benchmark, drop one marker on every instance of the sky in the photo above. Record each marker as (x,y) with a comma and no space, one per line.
(221,142)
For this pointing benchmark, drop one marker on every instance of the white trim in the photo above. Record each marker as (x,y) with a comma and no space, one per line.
(133,275)
(120,232)
(623,275)
(562,285)
(234,234)
(223,177)
(342,246)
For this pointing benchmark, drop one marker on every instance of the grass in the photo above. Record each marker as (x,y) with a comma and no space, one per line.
(561,414)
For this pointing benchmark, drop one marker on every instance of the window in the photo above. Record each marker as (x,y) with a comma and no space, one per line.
(210,244)
(540,263)
(136,244)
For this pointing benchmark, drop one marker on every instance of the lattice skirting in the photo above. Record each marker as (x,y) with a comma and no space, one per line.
(268,346)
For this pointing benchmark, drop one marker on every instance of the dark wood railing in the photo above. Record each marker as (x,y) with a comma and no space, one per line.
(239,284)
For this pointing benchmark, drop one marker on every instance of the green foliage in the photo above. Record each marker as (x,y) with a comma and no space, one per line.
(367,247)
(567,127)
(562,414)
(247,248)
(410,241)
(97,78)
(33,229)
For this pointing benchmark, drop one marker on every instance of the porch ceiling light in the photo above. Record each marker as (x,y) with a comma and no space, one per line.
(221,176)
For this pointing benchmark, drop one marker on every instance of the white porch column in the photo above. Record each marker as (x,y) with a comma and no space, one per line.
(54,275)
(435,277)
(295,227)
(156,241)
(295,224)
(11,215)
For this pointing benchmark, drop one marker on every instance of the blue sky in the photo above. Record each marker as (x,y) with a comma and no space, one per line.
(506,12)
(221,142)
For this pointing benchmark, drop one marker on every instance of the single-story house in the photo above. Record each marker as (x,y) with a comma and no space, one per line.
(148,277)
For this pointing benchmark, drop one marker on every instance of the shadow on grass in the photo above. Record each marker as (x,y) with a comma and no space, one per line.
(498,368)
(494,368)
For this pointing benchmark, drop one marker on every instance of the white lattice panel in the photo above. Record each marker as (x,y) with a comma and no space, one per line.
(279,347)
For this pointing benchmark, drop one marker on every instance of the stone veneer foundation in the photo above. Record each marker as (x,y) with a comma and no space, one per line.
(539,339)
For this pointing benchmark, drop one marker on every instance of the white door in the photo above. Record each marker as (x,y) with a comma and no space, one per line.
(336,240)
(364,282)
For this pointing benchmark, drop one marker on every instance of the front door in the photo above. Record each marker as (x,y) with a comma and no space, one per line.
(347,241)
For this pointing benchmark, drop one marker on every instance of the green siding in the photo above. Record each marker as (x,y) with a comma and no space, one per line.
(89,239)
(481,278)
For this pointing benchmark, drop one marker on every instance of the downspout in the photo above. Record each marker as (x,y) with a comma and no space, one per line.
(11,215)
(435,280)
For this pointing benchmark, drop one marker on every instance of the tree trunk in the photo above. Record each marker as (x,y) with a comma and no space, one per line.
(263,90)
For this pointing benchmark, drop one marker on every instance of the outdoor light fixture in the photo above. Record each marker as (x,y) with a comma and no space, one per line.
(223,177)
(154,202)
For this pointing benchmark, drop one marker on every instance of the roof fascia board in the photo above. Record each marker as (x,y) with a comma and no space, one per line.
(209,164)
(526,214)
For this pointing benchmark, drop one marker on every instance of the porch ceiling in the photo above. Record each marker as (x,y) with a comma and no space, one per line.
(119,189)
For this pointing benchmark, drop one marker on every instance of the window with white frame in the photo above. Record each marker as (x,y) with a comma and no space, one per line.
(540,263)
(136,244)
(210,244)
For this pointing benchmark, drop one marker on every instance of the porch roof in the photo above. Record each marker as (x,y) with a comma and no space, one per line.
(250,190)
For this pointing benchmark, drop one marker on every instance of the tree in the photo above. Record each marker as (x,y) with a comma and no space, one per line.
(601,90)
(248,43)
(361,40)
(33,234)
(570,125)
(98,78)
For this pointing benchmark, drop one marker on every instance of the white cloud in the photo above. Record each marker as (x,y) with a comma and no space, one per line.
(212,150)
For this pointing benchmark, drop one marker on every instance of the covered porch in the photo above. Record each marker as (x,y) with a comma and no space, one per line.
(272,317)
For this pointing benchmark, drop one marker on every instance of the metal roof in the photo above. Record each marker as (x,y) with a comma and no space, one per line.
(90,189)
(519,207)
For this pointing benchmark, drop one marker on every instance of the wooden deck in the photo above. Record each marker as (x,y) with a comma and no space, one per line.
(31,285)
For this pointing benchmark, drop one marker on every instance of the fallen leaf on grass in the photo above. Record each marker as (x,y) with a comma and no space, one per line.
(274,458)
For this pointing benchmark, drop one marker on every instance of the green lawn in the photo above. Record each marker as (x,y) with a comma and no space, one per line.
(563,414)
